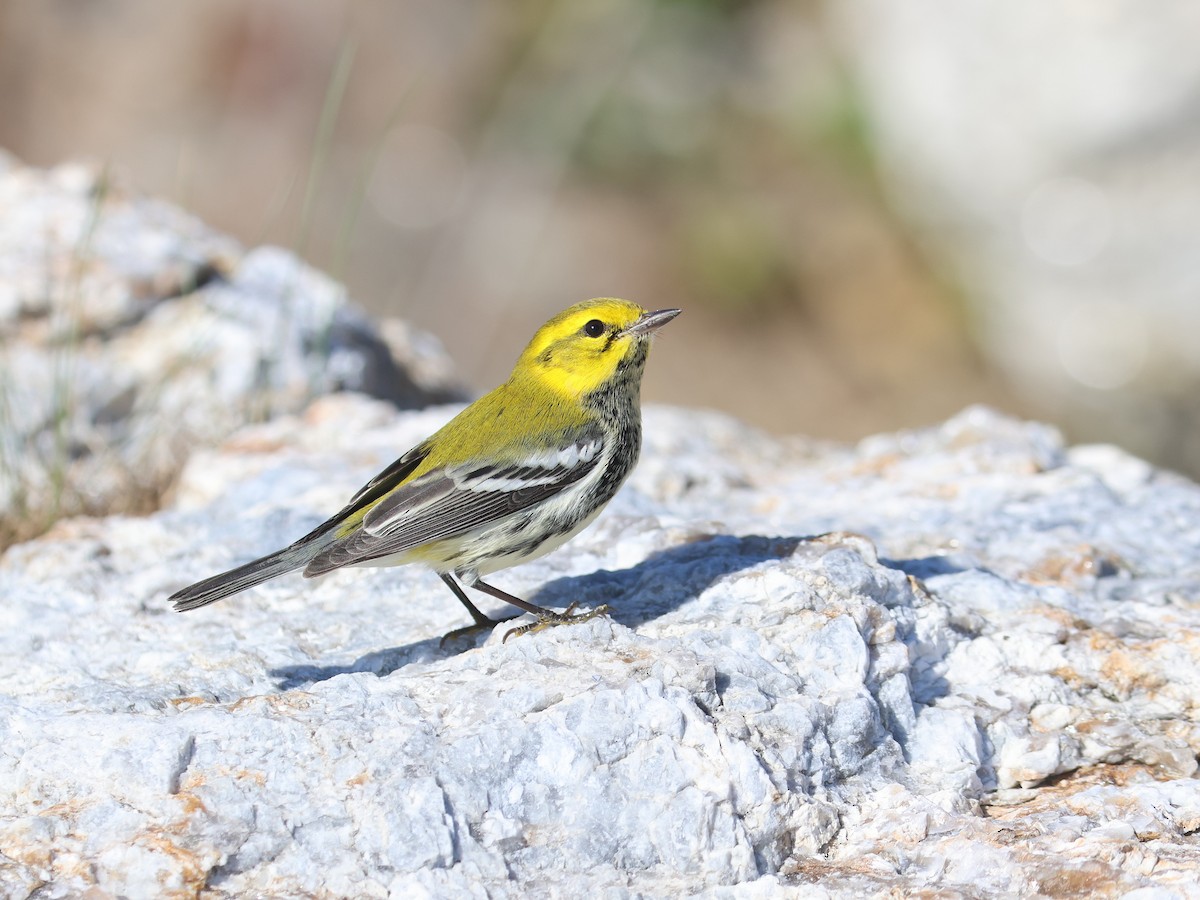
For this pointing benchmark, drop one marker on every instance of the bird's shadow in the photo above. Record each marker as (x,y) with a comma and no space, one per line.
(662,582)
(923,567)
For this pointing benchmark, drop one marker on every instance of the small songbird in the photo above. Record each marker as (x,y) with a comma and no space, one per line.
(516,474)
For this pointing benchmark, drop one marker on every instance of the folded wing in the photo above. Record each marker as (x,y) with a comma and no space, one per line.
(457,500)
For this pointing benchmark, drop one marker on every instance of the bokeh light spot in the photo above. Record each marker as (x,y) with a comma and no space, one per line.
(1103,344)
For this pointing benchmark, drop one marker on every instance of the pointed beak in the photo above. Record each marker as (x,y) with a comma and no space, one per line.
(651,322)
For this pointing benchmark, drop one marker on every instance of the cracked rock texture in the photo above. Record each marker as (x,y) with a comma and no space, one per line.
(130,333)
(959,660)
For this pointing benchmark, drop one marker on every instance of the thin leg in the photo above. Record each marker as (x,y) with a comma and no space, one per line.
(480,618)
(510,599)
(482,622)
(547,618)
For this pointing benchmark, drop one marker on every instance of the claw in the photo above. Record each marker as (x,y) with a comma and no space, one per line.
(552,619)
(486,625)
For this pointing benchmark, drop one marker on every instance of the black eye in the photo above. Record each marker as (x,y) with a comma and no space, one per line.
(594,328)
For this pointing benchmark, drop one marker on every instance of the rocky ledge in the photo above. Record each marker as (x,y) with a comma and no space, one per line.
(131,333)
(959,659)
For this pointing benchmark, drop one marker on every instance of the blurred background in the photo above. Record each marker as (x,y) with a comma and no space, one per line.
(874,213)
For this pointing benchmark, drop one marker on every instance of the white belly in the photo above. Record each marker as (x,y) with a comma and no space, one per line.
(496,563)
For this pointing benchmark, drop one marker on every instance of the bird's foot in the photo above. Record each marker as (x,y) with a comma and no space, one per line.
(549,619)
(482,625)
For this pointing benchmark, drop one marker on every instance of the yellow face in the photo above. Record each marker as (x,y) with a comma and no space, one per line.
(580,349)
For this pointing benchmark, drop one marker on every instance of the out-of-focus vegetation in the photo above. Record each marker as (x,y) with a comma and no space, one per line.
(475,166)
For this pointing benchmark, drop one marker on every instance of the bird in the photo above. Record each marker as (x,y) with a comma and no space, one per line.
(515,475)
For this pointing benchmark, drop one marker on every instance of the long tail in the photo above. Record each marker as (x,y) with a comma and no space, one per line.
(220,586)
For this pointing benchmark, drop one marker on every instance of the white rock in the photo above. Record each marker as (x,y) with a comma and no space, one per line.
(1045,152)
(1000,626)
(131,334)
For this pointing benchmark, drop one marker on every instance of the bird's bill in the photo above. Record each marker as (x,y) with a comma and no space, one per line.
(650,322)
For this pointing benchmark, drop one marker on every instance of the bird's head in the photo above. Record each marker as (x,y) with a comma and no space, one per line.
(591,344)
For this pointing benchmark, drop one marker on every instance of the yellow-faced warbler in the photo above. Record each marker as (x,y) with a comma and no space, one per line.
(516,474)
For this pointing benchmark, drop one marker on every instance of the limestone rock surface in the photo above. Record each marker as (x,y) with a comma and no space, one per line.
(963,659)
(131,333)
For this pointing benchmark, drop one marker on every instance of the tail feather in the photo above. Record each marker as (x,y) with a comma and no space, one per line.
(256,572)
